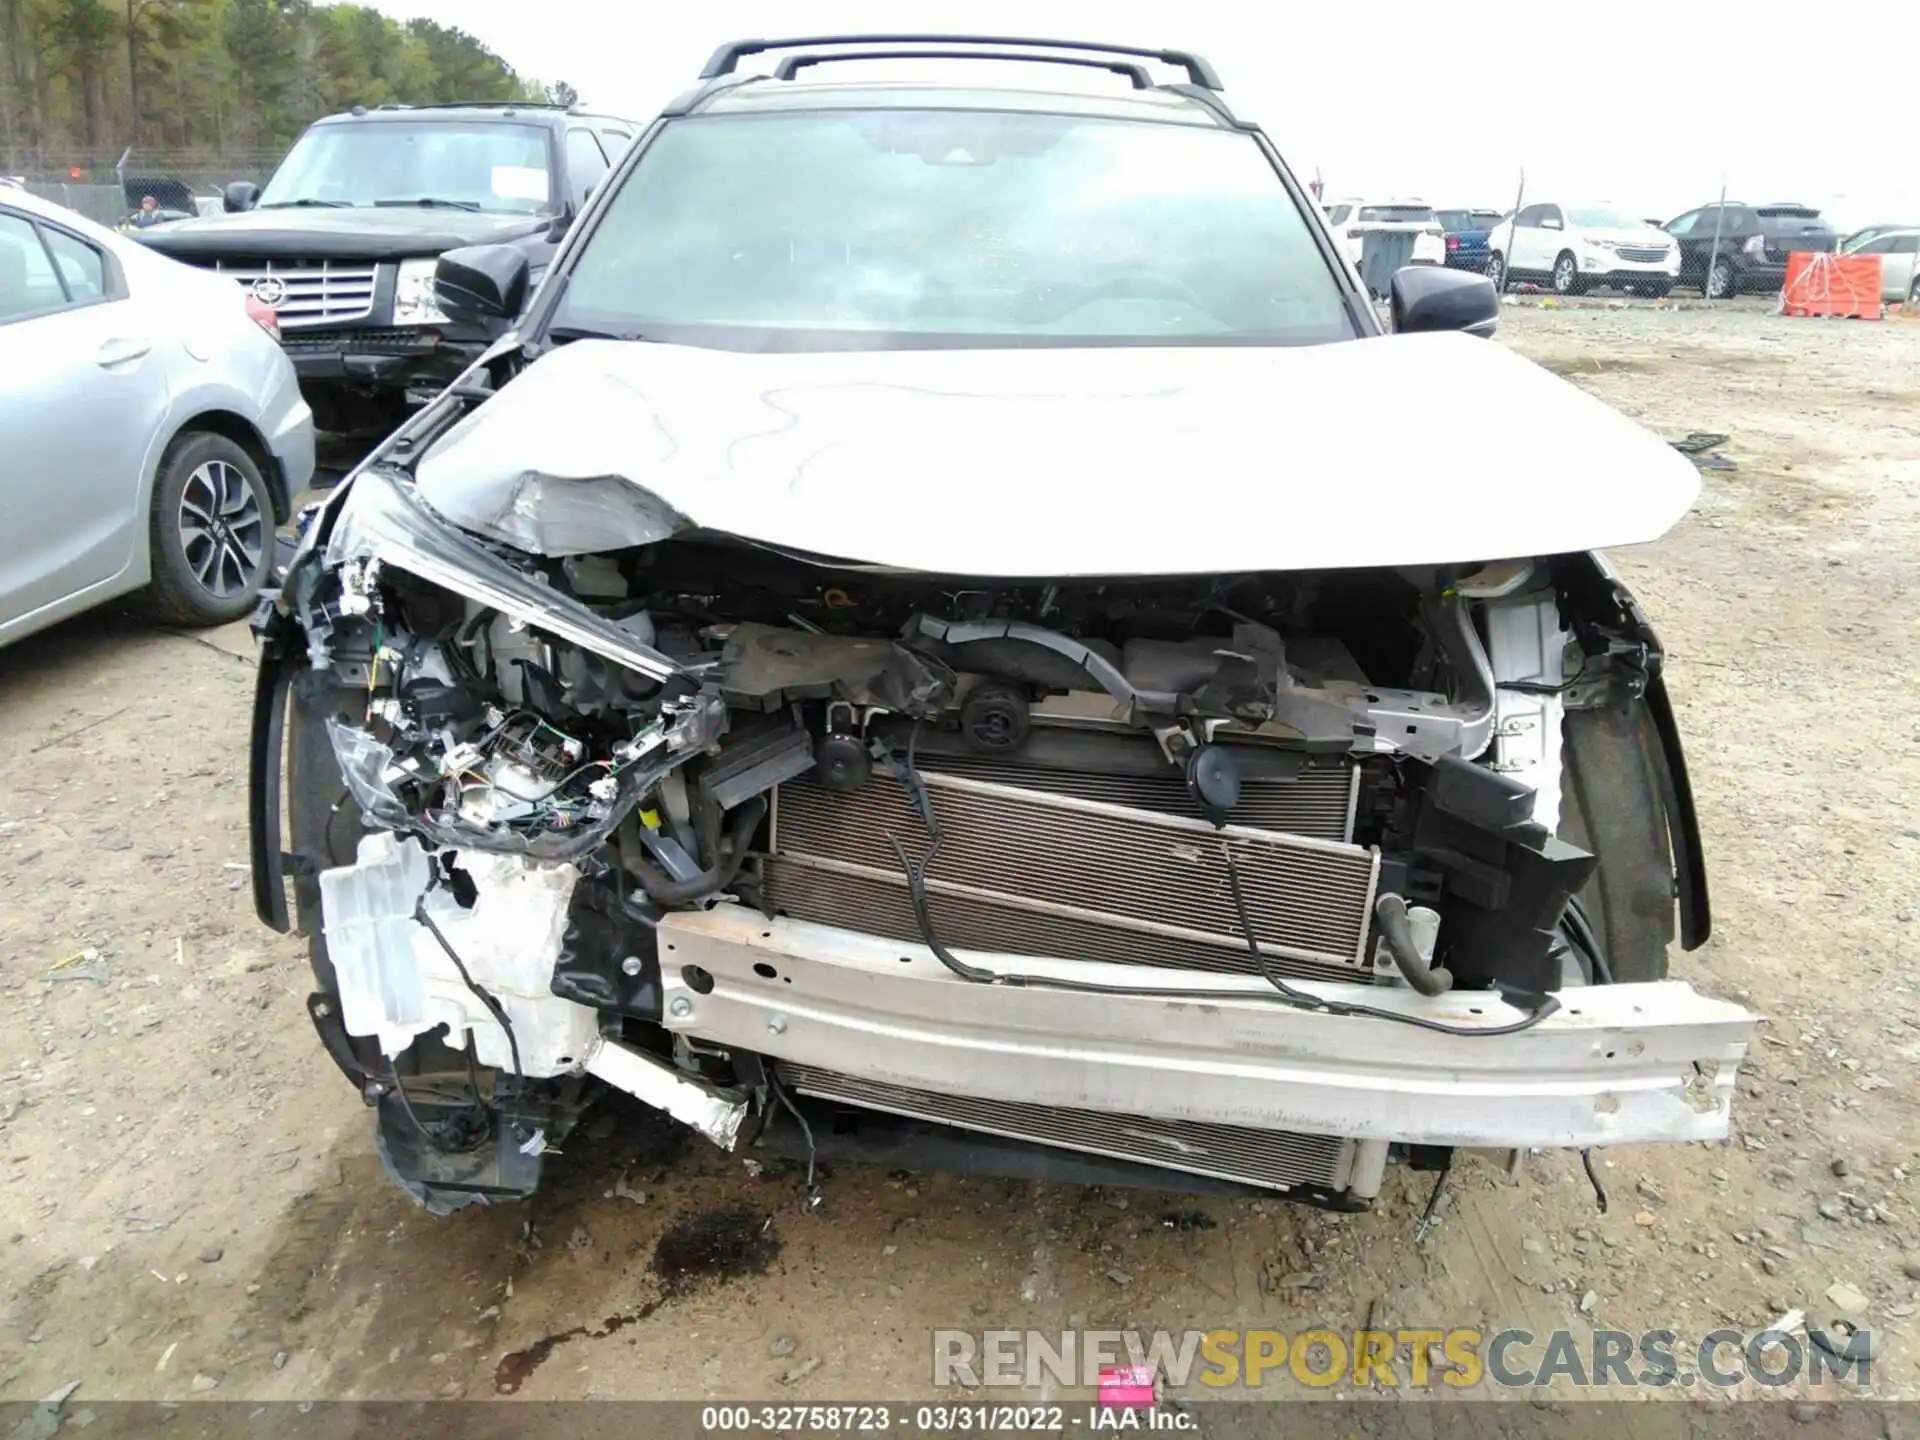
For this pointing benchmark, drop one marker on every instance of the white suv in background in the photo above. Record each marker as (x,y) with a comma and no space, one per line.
(1576,247)
(1352,220)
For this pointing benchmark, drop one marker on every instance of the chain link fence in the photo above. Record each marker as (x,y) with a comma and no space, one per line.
(108,188)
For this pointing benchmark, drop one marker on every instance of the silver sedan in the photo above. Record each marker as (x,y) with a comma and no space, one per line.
(152,428)
(1898,247)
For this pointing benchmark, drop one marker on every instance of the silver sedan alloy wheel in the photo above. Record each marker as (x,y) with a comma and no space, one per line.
(222,529)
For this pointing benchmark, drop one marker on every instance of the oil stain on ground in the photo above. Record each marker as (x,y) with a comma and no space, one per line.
(721,1243)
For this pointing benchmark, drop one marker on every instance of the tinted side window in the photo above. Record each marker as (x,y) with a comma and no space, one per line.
(586,163)
(28,282)
(82,268)
(1684,224)
(615,139)
(1338,214)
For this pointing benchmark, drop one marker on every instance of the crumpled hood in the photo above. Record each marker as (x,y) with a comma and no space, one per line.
(1405,450)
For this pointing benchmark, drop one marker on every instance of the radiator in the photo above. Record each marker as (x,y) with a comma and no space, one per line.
(1277,1159)
(1034,873)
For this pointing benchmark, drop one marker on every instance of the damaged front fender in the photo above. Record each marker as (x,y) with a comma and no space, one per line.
(384,520)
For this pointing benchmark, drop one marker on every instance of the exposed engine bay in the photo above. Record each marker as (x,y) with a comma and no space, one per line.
(768,839)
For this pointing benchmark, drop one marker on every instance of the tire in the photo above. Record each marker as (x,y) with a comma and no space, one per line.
(211,530)
(1721,282)
(1496,270)
(1566,275)
(1913,293)
(1612,805)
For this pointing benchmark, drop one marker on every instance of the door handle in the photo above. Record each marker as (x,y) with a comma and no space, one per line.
(120,352)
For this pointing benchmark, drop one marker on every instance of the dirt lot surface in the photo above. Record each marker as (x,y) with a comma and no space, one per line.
(190,1204)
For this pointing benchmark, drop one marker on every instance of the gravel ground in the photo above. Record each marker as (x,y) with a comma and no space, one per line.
(190,1205)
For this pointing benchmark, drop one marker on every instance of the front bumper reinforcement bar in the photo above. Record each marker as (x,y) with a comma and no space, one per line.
(1617,1064)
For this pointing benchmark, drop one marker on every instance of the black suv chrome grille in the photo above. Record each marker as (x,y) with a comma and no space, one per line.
(307,292)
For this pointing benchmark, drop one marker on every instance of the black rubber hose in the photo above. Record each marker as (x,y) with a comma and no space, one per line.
(663,889)
(1397,931)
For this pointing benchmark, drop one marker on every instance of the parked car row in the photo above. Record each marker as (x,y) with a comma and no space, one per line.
(1723,249)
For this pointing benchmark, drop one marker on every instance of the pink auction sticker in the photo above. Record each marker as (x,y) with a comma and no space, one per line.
(1126,1385)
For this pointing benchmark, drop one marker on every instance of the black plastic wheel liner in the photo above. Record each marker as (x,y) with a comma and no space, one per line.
(1613,805)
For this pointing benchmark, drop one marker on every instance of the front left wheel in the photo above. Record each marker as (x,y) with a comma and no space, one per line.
(212,532)
(1566,275)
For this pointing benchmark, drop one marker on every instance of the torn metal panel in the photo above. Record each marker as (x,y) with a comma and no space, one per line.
(713,1113)
(1618,1064)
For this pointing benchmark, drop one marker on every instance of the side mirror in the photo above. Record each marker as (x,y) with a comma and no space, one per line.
(481,282)
(239,196)
(1430,297)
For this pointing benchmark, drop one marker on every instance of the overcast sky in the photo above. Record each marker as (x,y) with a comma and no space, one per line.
(1442,101)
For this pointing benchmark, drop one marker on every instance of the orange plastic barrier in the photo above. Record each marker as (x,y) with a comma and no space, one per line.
(1844,285)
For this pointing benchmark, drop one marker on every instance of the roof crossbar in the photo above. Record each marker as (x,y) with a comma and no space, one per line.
(728,57)
(1136,74)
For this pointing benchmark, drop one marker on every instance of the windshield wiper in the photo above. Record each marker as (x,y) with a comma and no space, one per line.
(562,333)
(434,200)
(307,200)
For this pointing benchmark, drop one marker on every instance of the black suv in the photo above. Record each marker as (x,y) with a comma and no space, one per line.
(341,243)
(1731,247)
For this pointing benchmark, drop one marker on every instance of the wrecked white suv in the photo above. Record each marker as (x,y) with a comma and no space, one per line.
(893,656)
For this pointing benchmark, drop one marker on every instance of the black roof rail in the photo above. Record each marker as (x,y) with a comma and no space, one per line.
(1137,74)
(486,105)
(724,60)
(689,101)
